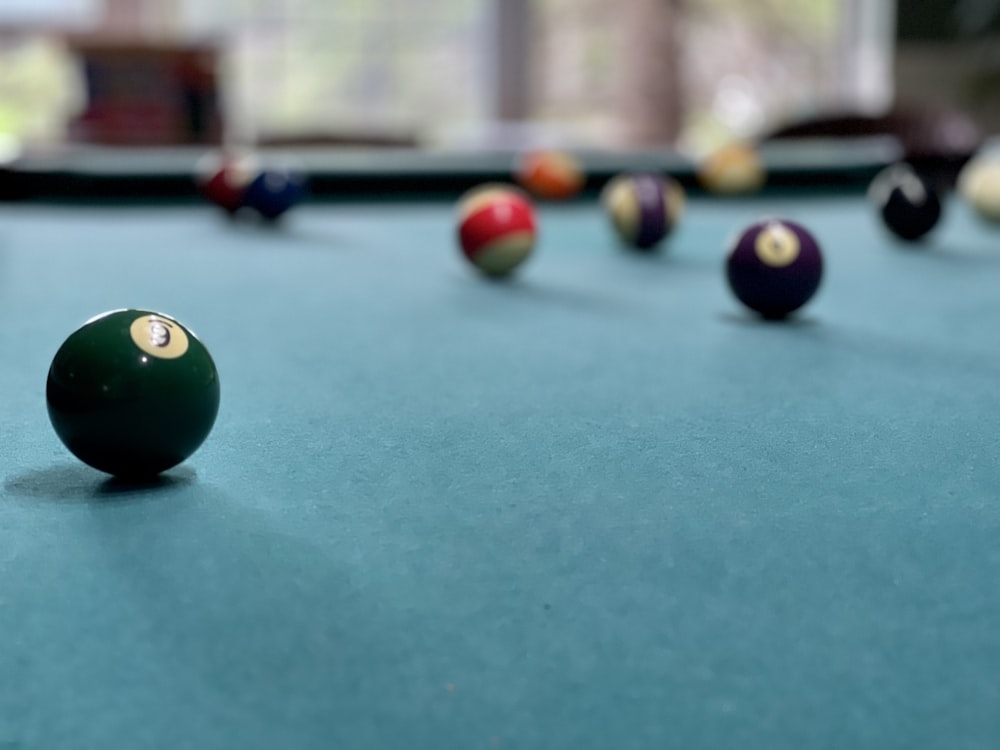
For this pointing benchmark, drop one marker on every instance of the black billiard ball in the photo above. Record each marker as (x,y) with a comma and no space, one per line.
(774,267)
(132,393)
(273,192)
(908,203)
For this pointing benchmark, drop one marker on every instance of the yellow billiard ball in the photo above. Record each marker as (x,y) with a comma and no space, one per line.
(979,186)
(736,169)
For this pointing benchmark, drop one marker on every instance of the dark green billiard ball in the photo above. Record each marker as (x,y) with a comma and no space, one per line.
(132,393)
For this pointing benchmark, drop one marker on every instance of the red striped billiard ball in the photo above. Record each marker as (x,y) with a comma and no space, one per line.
(774,267)
(496,228)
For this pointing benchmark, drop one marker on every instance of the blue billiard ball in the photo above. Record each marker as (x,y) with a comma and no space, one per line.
(273,192)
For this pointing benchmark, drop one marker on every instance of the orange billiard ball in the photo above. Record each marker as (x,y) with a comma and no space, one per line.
(550,175)
(496,228)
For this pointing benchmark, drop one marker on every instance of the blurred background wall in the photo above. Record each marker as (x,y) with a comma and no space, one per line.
(948,54)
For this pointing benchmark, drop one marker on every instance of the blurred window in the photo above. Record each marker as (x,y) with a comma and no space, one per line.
(742,65)
(433,70)
(54,13)
(362,68)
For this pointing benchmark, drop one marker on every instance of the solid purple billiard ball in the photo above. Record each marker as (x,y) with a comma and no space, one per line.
(273,192)
(774,267)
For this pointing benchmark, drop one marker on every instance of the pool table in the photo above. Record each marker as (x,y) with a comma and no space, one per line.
(599,505)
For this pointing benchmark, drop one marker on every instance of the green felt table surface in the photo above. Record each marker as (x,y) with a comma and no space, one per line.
(597,507)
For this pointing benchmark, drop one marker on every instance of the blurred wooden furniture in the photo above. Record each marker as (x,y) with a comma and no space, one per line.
(148,94)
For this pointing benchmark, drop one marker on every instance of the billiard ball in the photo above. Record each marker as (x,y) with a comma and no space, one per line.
(273,191)
(734,169)
(223,178)
(496,228)
(643,208)
(979,185)
(908,203)
(774,267)
(132,393)
(550,174)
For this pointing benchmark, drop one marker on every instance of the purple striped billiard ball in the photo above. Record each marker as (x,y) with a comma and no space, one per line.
(643,208)
(774,267)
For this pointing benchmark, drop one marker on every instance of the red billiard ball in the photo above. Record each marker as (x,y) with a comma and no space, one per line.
(774,267)
(496,228)
(223,179)
(643,208)
(550,174)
